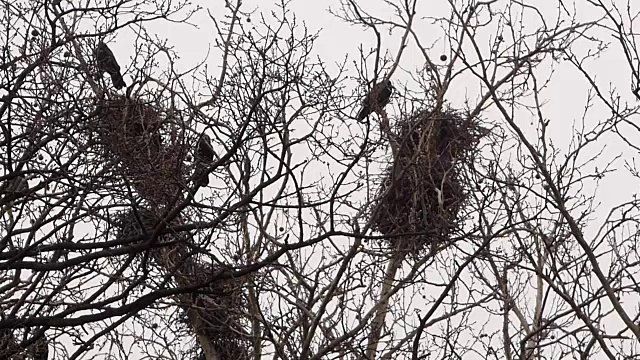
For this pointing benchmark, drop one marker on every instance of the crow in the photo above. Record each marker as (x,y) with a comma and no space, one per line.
(204,156)
(107,63)
(376,99)
(205,150)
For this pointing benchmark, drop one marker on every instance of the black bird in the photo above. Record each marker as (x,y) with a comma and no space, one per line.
(205,150)
(204,156)
(376,99)
(107,63)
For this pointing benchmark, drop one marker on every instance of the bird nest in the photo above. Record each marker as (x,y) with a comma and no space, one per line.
(215,314)
(215,310)
(130,133)
(129,125)
(141,222)
(421,194)
(8,344)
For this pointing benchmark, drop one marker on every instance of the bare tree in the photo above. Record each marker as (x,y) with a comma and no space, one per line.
(243,209)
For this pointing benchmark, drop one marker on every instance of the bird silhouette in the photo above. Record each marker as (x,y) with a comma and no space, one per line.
(204,156)
(107,62)
(376,99)
(205,150)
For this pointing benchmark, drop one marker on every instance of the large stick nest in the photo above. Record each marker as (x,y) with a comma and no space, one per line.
(422,193)
(216,316)
(8,344)
(130,132)
(215,311)
(141,222)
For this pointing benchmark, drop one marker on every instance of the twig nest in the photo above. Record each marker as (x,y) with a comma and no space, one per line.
(129,124)
(216,310)
(130,132)
(139,222)
(216,313)
(422,194)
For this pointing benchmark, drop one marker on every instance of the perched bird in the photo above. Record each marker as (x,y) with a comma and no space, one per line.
(205,150)
(204,156)
(106,62)
(376,99)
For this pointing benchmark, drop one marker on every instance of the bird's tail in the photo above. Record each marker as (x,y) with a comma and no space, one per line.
(118,81)
(364,112)
(201,177)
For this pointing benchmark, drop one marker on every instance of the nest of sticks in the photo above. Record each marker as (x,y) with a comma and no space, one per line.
(422,193)
(214,311)
(216,314)
(130,132)
(129,124)
(141,222)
